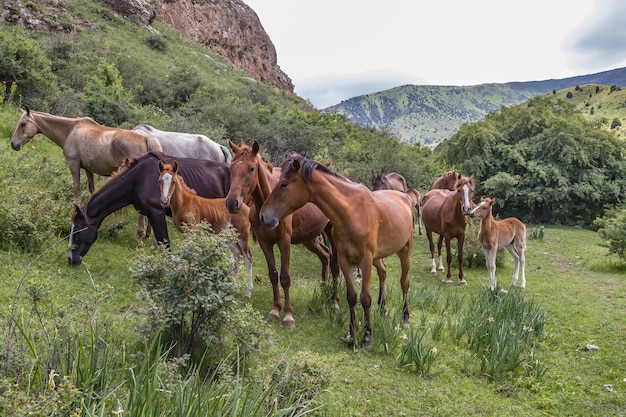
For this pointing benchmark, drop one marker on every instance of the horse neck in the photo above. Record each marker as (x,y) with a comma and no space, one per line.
(267,182)
(56,128)
(180,196)
(330,201)
(488,223)
(105,201)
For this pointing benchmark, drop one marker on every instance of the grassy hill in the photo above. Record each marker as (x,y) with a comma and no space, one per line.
(430,114)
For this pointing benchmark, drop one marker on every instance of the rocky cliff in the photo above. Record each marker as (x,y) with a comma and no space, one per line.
(228,27)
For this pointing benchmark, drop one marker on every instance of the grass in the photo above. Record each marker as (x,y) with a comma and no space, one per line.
(581,291)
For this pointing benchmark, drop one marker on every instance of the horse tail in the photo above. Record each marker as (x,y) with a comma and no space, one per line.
(153,144)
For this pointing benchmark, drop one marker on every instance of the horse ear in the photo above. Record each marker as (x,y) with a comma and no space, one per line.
(175,167)
(26,109)
(295,165)
(233,146)
(78,211)
(160,166)
(256,147)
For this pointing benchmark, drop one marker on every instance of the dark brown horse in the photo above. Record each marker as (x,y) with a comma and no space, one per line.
(136,184)
(253,178)
(188,207)
(368,226)
(391,181)
(443,212)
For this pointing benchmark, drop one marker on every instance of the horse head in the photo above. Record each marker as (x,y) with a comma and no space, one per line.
(465,189)
(244,174)
(379,180)
(167,181)
(482,209)
(25,130)
(83,234)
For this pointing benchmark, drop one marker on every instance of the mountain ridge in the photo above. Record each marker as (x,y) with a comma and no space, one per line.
(429,114)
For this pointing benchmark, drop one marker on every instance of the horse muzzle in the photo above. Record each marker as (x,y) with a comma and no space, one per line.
(233,205)
(16,146)
(269,221)
(72,259)
(165,202)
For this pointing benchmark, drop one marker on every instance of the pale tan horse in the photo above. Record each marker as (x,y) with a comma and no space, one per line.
(443,212)
(368,226)
(252,178)
(493,234)
(188,207)
(86,144)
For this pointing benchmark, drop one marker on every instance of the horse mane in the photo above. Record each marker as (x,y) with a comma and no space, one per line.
(308,166)
(463,180)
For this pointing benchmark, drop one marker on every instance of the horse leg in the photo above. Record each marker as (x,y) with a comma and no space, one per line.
(439,244)
(159,224)
(419,219)
(268,252)
(490,260)
(522,264)
(346,270)
(284,247)
(247,260)
(141,232)
(431,245)
(448,259)
(460,243)
(366,298)
(75,170)
(323,255)
(381,270)
(405,262)
(334,265)
(90,182)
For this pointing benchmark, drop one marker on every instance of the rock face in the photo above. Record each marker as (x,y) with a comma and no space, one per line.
(228,27)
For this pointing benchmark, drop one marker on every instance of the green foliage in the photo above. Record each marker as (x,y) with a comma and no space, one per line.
(417,354)
(544,163)
(536,233)
(23,62)
(105,98)
(193,295)
(612,228)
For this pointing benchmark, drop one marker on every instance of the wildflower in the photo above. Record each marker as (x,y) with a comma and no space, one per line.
(434,350)
(491,319)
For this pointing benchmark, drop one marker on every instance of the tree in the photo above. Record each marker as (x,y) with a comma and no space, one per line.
(544,163)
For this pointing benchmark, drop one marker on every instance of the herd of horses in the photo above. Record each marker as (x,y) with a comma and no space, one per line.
(192,179)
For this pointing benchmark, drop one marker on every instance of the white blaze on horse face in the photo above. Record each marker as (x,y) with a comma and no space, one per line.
(71,243)
(165,190)
(476,211)
(465,205)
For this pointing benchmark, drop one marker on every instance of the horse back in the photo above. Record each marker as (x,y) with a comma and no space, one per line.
(393,219)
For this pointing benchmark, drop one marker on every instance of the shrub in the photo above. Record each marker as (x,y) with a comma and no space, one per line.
(193,294)
(612,228)
(615,123)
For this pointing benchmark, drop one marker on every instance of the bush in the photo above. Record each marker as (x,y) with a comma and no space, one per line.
(193,294)
(612,228)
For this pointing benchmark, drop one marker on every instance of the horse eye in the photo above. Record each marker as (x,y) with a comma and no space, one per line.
(283,185)
(251,170)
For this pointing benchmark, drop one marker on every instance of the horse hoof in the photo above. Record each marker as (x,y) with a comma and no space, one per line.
(367,343)
(272,317)
(433,272)
(449,282)
(462,282)
(248,294)
(290,324)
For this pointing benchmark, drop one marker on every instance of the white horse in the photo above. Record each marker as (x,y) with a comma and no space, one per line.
(181,145)
(186,145)
(510,232)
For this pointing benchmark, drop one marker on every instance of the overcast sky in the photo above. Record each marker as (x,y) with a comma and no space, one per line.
(338,49)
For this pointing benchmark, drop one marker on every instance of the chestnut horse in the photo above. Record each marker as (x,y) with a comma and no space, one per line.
(253,178)
(367,227)
(391,181)
(443,212)
(86,144)
(188,207)
(493,234)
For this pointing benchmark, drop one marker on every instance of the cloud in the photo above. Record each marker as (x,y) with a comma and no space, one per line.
(328,90)
(601,41)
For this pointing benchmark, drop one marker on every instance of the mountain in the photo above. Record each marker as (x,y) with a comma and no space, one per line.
(429,114)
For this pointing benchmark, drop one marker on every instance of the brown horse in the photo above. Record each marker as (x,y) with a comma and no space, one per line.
(443,212)
(188,207)
(86,144)
(253,178)
(493,234)
(367,227)
(391,181)
(447,181)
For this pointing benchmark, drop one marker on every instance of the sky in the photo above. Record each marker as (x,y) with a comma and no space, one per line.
(338,49)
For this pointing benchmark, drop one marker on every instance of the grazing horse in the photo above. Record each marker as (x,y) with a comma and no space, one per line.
(367,227)
(135,184)
(253,178)
(186,145)
(86,144)
(443,212)
(181,145)
(391,181)
(188,207)
(493,234)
